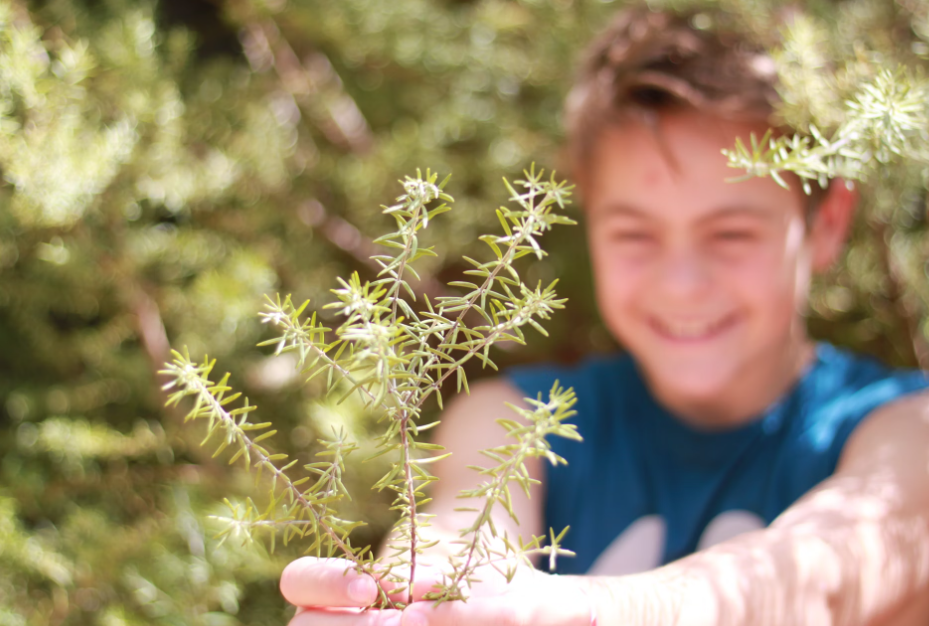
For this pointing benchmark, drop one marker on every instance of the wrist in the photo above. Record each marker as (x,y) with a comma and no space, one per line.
(609,600)
(662,596)
(591,601)
(565,600)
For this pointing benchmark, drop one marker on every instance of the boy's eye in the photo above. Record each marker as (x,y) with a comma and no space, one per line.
(734,236)
(632,236)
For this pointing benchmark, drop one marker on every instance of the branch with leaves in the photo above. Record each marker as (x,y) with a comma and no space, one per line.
(395,357)
(482,545)
(885,121)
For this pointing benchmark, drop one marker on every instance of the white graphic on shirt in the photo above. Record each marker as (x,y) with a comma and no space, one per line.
(640,547)
(728,525)
(636,549)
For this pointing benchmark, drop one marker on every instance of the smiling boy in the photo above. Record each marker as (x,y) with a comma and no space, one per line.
(734,472)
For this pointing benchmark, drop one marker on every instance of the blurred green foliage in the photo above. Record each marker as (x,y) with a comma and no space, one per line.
(167,164)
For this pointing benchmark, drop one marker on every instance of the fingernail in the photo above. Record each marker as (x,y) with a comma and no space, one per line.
(362,590)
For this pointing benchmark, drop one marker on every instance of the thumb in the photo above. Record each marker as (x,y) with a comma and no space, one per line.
(310,581)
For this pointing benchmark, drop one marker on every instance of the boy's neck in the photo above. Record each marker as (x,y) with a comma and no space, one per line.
(762,384)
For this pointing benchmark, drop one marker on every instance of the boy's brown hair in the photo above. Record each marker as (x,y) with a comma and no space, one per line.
(647,63)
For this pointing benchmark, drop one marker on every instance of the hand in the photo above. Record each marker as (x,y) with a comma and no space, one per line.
(329,592)
(533,597)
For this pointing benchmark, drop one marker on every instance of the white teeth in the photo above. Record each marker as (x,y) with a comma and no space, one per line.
(689,330)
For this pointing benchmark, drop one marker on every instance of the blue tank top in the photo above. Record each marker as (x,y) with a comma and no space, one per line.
(644,488)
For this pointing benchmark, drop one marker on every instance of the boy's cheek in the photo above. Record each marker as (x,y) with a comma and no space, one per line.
(785,283)
(619,288)
(626,260)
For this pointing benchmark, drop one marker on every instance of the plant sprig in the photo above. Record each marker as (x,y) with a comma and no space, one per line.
(300,511)
(481,546)
(395,358)
(885,121)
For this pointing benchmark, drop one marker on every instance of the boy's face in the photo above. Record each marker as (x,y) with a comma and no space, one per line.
(702,280)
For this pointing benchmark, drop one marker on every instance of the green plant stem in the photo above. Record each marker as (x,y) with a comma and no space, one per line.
(405,440)
(396,370)
(203,395)
(407,251)
(288,324)
(487,285)
(496,490)
(411,496)
(466,357)
(404,425)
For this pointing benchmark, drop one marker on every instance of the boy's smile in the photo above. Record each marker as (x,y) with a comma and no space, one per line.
(704,281)
(692,331)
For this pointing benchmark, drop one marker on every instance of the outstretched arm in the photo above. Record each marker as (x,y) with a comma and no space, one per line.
(852,552)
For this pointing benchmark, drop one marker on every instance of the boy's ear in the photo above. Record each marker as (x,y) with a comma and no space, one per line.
(831,223)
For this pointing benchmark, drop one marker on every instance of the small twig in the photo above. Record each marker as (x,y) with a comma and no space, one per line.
(188,377)
(347,237)
(343,125)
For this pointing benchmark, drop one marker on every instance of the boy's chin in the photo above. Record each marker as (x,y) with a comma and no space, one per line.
(698,384)
(699,387)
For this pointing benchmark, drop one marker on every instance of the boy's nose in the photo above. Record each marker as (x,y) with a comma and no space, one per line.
(683,274)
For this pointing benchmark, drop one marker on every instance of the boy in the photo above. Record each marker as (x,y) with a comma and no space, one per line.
(733,471)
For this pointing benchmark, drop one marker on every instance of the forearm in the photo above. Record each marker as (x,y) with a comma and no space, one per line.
(850,575)
(758,580)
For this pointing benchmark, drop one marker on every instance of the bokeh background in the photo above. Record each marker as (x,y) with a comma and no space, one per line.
(168,163)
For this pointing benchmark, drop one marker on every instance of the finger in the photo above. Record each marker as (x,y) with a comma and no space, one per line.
(313,582)
(549,607)
(345,617)
(428,577)
(426,582)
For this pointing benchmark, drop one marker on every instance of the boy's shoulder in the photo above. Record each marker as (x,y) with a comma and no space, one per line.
(840,389)
(605,369)
(603,383)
